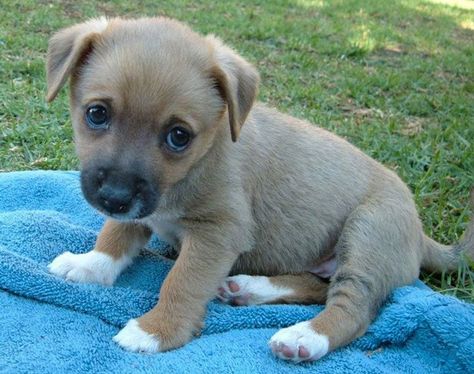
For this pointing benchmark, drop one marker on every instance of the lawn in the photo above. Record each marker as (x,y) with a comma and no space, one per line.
(395,78)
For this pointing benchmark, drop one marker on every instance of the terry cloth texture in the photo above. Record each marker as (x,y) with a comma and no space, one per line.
(49,325)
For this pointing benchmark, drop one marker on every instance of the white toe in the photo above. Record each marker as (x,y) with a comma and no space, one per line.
(133,338)
(61,264)
(253,290)
(288,343)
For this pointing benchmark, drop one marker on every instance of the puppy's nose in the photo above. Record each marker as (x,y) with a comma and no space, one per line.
(117,191)
(115,199)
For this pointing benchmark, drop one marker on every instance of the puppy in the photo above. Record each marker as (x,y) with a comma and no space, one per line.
(279,205)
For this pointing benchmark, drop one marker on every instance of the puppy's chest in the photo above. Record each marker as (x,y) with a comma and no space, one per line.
(166,226)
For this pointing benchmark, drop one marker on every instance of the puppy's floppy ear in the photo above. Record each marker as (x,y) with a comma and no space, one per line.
(237,81)
(65,51)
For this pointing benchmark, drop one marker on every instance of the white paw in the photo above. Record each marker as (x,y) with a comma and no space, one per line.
(133,338)
(91,267)
(299,343)
(250,290)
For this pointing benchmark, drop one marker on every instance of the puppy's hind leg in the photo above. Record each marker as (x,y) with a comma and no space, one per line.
(377,251)
(118,243)
(304,288)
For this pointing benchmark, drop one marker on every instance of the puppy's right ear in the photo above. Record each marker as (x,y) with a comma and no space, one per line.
(65,51)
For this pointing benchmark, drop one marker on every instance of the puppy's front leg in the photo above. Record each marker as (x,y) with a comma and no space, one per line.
(118,243)
(202,264)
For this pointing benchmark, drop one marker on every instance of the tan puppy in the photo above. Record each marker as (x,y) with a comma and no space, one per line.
(284,206)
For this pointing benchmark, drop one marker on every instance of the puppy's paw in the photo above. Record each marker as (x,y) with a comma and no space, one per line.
(133,338)
(91,267)
(250,290)
(299,343)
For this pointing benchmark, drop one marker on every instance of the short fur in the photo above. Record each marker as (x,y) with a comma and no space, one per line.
(283,196)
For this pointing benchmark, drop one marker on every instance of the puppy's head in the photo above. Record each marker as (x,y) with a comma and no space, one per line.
(149,98)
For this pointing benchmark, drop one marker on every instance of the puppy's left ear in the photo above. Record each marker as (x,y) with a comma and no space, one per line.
(67,49)
(237,82)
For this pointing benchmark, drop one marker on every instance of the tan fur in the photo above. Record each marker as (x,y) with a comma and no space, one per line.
(285,195)
(184,302)
(118,238)
(308,289)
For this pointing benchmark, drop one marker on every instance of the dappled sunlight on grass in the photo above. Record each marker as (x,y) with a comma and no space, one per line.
(463,4)
(361,42)
(418,26)
(467,24)
(310,3)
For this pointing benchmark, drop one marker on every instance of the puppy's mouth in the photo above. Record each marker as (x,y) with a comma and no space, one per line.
(122,196)
(137,211)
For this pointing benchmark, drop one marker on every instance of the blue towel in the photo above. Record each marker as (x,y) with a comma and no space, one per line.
(49,325)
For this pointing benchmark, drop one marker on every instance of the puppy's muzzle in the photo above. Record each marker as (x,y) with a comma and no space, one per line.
(119,194)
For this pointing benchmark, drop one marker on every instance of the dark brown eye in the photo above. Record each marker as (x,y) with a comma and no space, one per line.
(97,117)
(178,139)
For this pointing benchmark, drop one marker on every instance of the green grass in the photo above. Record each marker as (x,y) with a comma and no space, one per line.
(396,78)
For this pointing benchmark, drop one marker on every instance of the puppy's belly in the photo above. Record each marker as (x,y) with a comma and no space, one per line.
(278,263)
(284,249)
(325,268)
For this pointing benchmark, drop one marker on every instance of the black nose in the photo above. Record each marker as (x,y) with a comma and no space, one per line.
(117,192)
(115,199)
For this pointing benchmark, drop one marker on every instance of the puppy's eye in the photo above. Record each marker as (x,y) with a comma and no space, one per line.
(178,139)
(97,117)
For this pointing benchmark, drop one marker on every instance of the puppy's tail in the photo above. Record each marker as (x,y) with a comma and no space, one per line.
(438,257)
